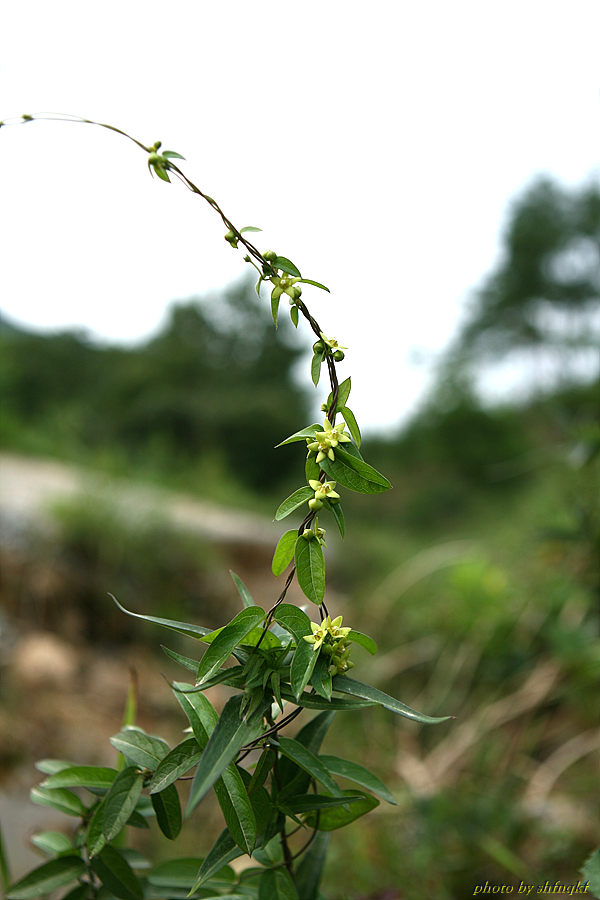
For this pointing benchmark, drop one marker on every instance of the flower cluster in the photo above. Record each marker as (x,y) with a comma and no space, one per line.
(330,638)
(327,440)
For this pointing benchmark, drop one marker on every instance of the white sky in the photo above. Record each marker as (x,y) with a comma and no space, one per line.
(377,145)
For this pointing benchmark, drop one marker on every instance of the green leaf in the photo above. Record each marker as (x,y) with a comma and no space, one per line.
(352,424)
(249,228)
(81,776)
(297,623)
(357,689)
(263,767)
(121,801)
(236,808)
(51,766)
(287,266)
(315,367)
(258,284)
(47,878)
(310,569)
(60,799)
(52,842)
(195,631)
(143,749)
(311,764)
(229,736)
(354,474)
(304,803)
(161,172)
(315,283)
(298,498)
(170,154)
(276,884)
(342,397)
(357,637)
(294,315)
(591,871)
(190,664)
(284,552)
(223,851)
(178,873)
(336,510)
(359,775)
(275,307)
(232,634)
(332,819)
(95,838)
(116,874)
(321,676)
(310,870)
(81,892)
(176,763)
(268,640)
(312,468)
(313,701)
(243,591)
(201,713)
(308,432)
(168,811)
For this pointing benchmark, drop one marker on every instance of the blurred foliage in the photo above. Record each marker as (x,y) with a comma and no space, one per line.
(208,398)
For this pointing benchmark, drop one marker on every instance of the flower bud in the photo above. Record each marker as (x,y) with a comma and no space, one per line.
(315,504)
(270,255)
(339,355)
(318,347)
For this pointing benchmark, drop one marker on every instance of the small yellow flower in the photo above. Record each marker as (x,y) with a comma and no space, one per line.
(325,441)
(284,285)
(319,633)
(332,343)
(325,490)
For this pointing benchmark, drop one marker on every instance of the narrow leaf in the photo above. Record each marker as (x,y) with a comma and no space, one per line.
(284,552)
(47,878)
(316,284)
(201,713)
(263,767)
(321,676)
(121,800)
(336,510)
(60,799)
(223,851)
(81,776)
(170,154)
(351,424)
(303,757)
(142,749)
(310,569)
(249,228)
(294,315)
(297,623)
(342,397)
(287,266)
(51,766)
(312,468)
(313,701)
(298,498)
(275,307)
(116,874)
(195,631)
(175,873)
(236,808)
(308,432)
(357,637)
(221,648)
(243,591)
(359,775)
(190,664)
(332,819)
(304,803)
(52,842)
(175,764)
(95,839)
(355,474)
(310,870)
(357,689)
(229,736)
(168,811)
(315,367)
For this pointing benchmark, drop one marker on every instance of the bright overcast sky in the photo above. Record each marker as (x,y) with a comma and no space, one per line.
(378,145)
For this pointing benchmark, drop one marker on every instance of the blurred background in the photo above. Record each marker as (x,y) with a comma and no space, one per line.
(437,173)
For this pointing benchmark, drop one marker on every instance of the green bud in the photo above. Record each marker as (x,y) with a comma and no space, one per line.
(231,238)
(154,159)
(270,255)
(318,347)
(339,355)
(315,505)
